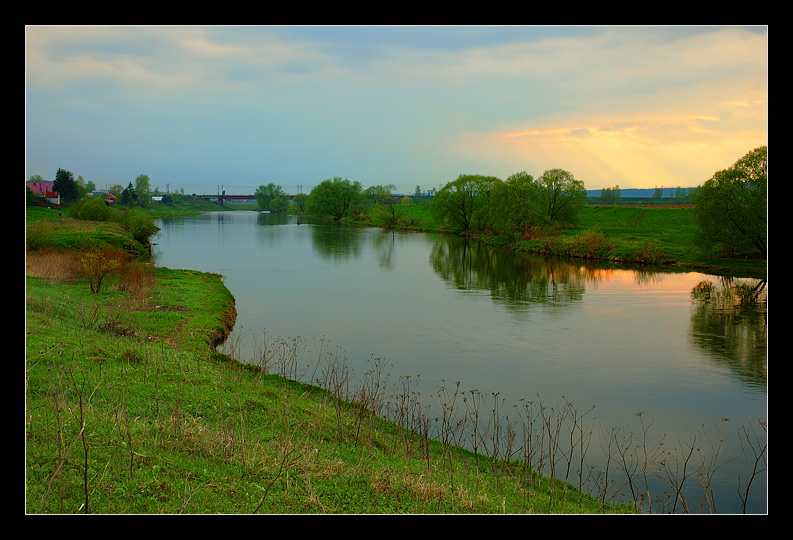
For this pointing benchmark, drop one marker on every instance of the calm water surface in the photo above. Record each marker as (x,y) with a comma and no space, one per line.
(681,348)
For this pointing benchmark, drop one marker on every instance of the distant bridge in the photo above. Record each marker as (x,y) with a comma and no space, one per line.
(221,198)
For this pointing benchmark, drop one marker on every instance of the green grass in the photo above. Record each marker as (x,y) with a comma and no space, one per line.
(155,421)
(654,236)
(131,410)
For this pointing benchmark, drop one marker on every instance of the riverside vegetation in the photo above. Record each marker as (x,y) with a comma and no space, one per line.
(724,232)
(131,409)
(655,237)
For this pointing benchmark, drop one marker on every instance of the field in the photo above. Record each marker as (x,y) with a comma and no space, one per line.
(656,236)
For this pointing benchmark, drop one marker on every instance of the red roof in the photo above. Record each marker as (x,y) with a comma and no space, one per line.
(43,188)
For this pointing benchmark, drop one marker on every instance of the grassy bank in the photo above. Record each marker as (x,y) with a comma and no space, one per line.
(655,236)
(130,409)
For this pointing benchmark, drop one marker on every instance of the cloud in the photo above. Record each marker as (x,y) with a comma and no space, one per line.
(385,104)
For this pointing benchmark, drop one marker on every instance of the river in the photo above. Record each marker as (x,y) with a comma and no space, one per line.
(682,352)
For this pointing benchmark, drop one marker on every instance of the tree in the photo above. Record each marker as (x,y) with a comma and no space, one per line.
(564,196)
(279,205)
(129,197)
(464,203)
(84,187)
(375,195)
(143,190)
(337,198)
(299,203)
(731,208)
(66,187)
(265,194)
(381,199)
(610,195)
(516,205)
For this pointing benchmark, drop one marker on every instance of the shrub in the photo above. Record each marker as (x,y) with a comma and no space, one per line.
(139,224)
(98,265)
(649,253)
(94,209)
(592,243)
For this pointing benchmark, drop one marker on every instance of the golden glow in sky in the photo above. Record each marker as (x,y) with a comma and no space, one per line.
(195,107)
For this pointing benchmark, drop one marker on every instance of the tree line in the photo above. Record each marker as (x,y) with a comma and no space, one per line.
(511,208)
(72,190)
(470,204)
(731,208)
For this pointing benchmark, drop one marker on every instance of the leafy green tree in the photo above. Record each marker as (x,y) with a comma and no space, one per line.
(381,199)
(66,186)
(516,205)
(279,205)
(299,203)
(143,190)
(84,187)
(464,204)
(265,194)
(337,198)
(564,196)
(731,208)
(375,195)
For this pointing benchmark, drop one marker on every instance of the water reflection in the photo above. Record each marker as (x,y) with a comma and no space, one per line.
(336,243)
(513,280)
(728,316)
(266,218)
(729,322)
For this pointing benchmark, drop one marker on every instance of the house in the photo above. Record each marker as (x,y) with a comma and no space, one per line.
(45,190)
(106,195)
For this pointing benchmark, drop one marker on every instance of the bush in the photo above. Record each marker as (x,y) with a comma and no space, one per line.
(98,265)
(140,225)
(649,253)
(94,209)
(592,243)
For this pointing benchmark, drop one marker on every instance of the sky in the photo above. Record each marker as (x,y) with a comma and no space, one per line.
(210,108)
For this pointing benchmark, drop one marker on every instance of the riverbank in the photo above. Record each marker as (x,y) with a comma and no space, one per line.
(130,409)
(654,237)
